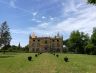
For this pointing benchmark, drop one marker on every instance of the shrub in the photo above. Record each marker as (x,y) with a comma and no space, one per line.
(29,58)
(57,55)
(54,54)
(36,55)
(66,59)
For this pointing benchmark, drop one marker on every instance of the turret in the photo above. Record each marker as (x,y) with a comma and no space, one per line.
(33,35)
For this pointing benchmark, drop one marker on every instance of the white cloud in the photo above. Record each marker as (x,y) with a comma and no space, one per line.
(34,13)
(19,31)
(51,18)
(12,3)
(43,17)
(43,25)
(70,6)
(33,19)
(84,20)
(38,21)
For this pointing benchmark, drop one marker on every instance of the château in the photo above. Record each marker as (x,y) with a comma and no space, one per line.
(45,44)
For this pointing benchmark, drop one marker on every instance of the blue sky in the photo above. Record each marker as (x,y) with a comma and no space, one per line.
(46,17)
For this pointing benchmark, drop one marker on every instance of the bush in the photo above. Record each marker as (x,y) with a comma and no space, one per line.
(54,54)
(66,59)
(29,58)
(40,53)
(57,55)
(36,55)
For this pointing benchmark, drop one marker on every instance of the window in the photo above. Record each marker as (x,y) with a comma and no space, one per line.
(46,42)
(53,40)
(38,40)
(57,40)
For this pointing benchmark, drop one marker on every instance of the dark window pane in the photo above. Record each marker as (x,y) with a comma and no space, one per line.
(46,42)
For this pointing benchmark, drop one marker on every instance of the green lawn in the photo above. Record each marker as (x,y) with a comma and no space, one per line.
(47,63)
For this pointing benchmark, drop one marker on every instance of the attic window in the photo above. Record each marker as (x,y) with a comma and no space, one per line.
(57,40)
(38,40)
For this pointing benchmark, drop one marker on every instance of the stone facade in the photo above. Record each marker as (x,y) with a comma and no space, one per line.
(45,44)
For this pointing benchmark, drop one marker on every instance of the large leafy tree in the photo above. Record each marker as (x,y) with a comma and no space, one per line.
(5,36)
(78,41)
(73,40)
(92,2)
(89,48)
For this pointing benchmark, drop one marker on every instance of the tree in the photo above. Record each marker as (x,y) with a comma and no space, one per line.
(19,46)
(26,48)
(0,40)
(13,48)
(93,36)
(5,36)
(92,1)
(73,41)
(89,48)
(78,41)
(84,41)
(93,39)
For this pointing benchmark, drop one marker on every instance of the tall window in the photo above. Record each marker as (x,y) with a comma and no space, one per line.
(46,42)
(38,40)
(53,40)
(57,40)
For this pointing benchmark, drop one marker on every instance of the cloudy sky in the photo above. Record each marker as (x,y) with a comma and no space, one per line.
(46,17)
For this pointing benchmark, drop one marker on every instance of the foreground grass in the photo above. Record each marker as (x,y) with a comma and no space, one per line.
(47,63)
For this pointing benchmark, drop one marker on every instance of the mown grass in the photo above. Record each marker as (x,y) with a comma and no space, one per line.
(47,63)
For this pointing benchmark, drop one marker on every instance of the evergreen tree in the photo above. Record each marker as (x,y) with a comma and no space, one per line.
(19,46)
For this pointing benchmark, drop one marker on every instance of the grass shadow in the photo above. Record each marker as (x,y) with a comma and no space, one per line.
(5,56)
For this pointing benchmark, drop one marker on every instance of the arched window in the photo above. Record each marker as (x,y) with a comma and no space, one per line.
(46,42)
(57,40)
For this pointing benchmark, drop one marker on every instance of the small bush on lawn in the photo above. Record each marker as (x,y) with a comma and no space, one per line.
(29,58)
(57,55)
(66,59)
(36,55)
(54,54)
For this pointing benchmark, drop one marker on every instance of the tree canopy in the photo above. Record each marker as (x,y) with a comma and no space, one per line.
(92,2)
(5,36)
